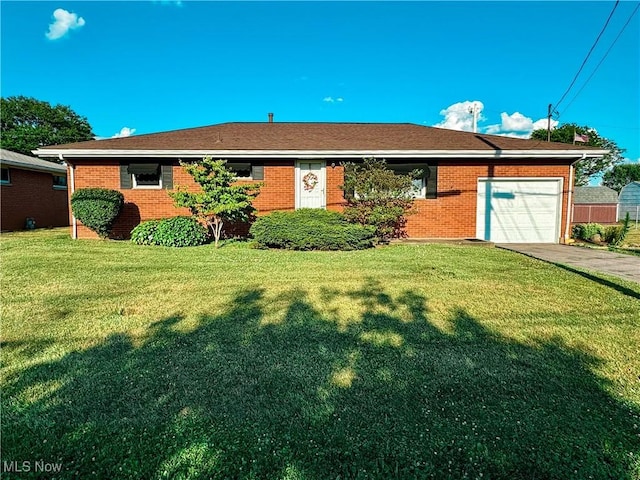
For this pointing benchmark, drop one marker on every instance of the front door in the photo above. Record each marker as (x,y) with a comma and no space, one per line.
(310,184)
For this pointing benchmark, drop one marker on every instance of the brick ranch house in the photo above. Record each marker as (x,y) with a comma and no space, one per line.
(32,188)
(474,186)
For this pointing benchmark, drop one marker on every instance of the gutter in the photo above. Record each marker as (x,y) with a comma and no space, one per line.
(72,178)
(319,154)
(569,193)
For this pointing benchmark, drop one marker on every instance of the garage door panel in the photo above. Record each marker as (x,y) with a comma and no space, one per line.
(518,211)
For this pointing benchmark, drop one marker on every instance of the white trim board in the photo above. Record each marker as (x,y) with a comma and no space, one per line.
(320,154)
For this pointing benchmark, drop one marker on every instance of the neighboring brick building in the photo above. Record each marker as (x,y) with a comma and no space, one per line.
(32,188)
(475,186)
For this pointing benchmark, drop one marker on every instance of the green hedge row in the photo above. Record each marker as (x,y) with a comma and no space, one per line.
(310,229)
(170,232)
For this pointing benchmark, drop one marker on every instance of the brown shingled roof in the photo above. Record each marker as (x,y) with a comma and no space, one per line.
(316,136)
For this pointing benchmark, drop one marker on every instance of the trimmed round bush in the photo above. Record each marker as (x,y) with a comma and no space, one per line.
(170,232)
(310,229)
(97,208)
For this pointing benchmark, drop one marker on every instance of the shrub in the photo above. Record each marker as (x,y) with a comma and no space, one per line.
(144,233)
(615,234)
(576,231)
(97,208)
(378,197)
(586,231)
(310,229)
(170,232)
(612,235)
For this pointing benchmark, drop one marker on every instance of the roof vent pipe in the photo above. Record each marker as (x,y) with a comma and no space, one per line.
(270,117)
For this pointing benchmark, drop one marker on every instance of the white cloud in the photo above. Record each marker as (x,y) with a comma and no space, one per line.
(63,22)
(517,125)
(493,129)
(124,132)
(542,124)
(515,135)
(459,117)
(339,99)
(516,122)
(328,99)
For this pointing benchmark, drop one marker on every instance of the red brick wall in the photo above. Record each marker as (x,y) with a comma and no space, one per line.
(31,194)
(277,193)
(451,215)
(335,178)
(139,205)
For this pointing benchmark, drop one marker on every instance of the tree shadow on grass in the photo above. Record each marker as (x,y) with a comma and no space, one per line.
(307,396)
(602,281)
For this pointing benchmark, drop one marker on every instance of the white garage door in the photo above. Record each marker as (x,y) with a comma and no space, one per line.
(519,211)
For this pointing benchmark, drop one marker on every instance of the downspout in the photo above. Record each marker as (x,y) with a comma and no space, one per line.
(74,222)
(569,192)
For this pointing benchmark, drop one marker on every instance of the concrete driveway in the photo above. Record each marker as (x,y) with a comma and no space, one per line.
(603,261)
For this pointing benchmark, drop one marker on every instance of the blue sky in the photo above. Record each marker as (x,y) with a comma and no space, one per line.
(141,67)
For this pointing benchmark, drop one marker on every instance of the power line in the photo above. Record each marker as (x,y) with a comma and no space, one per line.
(587,57)
(603,58)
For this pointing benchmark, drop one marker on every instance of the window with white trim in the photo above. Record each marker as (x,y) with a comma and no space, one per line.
(145,175)
(5,179)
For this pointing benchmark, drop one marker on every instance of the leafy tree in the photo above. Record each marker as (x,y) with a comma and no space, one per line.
(589,166)
(27,123)
(378,197)
(620,175)
(220,199)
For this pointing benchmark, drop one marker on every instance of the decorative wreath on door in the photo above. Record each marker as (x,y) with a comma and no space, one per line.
(310,180)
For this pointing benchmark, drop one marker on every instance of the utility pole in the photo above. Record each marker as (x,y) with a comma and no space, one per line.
(473,110)
(549,112)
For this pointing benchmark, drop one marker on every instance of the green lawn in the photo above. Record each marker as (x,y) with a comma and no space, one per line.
(431,361)
(633,237)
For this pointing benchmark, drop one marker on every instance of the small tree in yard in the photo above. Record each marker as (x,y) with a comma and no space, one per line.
(220,200)
(378,197)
